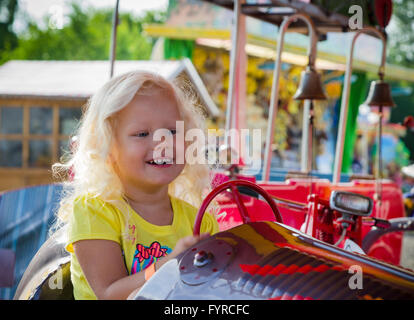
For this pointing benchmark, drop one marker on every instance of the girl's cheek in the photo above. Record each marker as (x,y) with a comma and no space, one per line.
(140,146)
(112,155)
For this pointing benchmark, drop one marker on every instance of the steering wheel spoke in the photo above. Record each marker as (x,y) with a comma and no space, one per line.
(240,205)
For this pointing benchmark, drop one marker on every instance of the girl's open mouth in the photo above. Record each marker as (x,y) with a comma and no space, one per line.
(161,162)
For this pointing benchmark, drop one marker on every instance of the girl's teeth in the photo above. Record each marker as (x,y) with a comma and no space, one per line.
(160,161)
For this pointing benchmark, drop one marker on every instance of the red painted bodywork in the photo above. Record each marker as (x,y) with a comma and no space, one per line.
(387,248)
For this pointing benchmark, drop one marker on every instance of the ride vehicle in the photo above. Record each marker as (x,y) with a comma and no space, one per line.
(308,248)
(255,260)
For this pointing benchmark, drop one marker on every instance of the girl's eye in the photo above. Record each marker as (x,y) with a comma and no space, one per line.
(142,134)
(173,131)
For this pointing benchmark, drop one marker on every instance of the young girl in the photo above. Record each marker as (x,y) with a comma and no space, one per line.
(127,211)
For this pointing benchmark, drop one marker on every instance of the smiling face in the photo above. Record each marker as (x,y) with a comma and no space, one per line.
(132,154)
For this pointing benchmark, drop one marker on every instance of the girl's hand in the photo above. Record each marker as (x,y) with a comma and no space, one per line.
(187,242)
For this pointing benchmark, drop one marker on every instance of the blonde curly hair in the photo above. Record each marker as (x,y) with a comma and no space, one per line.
(93,172)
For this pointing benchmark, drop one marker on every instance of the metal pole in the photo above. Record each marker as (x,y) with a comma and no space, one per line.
(233,66)
(115,22)
(305,137)
(310,138)
(378,195)
(274,100)
(336,178)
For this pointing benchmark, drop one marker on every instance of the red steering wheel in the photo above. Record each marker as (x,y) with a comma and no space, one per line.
(237,197)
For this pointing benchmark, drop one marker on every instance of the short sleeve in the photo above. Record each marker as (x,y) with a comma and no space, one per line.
(209,224)
(93,218)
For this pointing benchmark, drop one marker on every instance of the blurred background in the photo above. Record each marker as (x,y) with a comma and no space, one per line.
(55,53)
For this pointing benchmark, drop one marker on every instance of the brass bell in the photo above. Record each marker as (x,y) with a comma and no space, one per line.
(310,87)
(379,95)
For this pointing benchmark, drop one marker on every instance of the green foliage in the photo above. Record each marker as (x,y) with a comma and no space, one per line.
(177,49)
(86,36)
(8,40)
(401,52)
(401,39)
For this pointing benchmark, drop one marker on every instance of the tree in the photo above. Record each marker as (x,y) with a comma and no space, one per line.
(8,39)
(401,52)
(86,37)
(401,38)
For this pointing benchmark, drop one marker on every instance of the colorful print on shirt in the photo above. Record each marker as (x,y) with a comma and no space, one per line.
(145,256)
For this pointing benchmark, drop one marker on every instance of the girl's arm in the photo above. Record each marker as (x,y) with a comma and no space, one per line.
(103,265)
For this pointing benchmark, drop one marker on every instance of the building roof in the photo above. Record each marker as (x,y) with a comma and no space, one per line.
(81,79)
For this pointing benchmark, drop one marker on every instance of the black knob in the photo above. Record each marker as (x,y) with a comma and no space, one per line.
(202,258)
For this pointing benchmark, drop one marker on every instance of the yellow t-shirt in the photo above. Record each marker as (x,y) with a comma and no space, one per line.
(142,243)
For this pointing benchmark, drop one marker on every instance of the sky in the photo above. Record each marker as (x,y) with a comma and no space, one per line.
(37,9)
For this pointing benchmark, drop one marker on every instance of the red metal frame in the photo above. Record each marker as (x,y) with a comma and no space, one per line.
(324,224)
(387,248)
